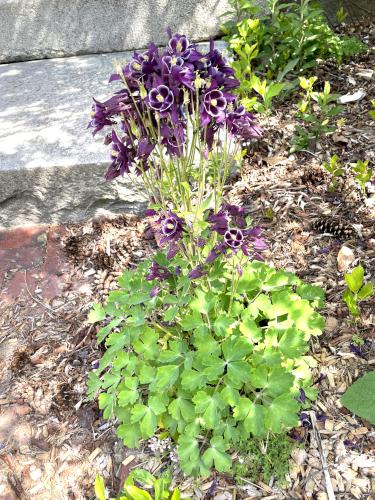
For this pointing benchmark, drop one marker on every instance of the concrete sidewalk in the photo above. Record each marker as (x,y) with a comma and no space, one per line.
(51,168)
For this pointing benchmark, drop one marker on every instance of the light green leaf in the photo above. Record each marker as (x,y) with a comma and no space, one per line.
(209,407)
(312,293)
(130,434)
(279,381)
(360,397)
(166,376)
(192,380)
(146,374)
(236,348)
(100,488)
(215,455)
(230,396)
(128,393)
(222,326)
(203,303)
(182,409)
(292,343)
(135,493)
(156,404)
(96,314)
(282,412)
(146,344)
(188,452)
(214,367)
(252,416)
(191,321)
(146,418)
(93,385)
(366,291)
(106,403)
(354,279)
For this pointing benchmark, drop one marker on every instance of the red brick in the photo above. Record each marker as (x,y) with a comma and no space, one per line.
(18,237)
(21,258)
(52,286)
(17,286)
(56,260)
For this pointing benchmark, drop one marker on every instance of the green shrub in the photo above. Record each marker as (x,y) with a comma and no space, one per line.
(213,365)
(289,40)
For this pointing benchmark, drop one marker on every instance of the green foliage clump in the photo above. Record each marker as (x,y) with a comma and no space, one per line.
(372,112)
(363,173)
(360,397)
(212,364)
(334,168)
(315,111)
(261,459)
(357,290)
(159,488)
(288,40)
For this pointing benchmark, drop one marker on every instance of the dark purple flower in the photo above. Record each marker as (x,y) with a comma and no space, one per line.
(302,395)
(150,212)
(242,123)
(226,216)
(321,417)
(102,112)
(172,227)
(154,292)
(180,46)
(197,272)
(305,420)
(178,270)
(214,104)
(356,350)
(160,98)
(157,272)
(122,156)
(351,444)
(169,62)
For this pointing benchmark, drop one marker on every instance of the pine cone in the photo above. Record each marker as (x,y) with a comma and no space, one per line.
(333,226)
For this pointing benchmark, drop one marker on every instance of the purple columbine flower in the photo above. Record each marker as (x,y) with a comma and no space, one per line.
(172,227)
(180,46)
(169,62)
(196,273)
(157,272)
(161,98)
(154,292)
(242,123)
(122,156)
(214,104)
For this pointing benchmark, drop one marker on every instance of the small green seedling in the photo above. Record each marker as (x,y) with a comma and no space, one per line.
(267,91)
(334,167)
(362,172)
(372,112)
(159,487)
(316,110)
(341,15)
(357,290)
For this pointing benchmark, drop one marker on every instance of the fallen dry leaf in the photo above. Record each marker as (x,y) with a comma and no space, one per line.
(344,258)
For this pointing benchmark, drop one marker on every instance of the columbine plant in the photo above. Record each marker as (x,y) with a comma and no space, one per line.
(200,342)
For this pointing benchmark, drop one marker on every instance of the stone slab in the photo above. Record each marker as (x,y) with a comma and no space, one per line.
(51,168)
(36,29)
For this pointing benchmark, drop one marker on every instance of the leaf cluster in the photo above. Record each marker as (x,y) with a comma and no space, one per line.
(158,487)
(315,111)
(289,39)
(209,366)
(357,290)
(363,173)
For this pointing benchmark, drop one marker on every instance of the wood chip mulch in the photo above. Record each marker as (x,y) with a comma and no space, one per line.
(53,443)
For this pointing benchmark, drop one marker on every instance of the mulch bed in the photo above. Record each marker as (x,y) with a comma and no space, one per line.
(52,442)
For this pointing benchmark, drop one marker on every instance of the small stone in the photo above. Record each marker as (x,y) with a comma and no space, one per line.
(344,258)
(299,455)
(321,495)
(363,461)
(331,324)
